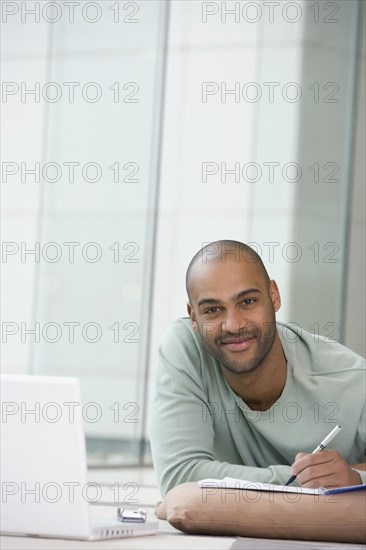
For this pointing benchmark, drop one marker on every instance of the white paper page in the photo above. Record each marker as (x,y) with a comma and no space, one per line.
(232,483)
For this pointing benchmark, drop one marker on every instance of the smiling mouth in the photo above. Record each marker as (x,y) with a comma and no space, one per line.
(236,344)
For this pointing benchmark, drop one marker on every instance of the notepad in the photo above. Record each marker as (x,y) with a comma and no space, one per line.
(242,484)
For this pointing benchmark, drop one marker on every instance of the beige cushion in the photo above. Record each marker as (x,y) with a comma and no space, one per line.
(214,511)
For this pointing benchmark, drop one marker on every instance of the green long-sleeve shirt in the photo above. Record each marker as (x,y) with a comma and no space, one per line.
(200,428)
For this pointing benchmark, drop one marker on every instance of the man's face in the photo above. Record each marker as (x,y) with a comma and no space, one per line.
(233,308)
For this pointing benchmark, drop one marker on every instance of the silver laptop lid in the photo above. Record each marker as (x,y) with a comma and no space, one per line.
(43,458)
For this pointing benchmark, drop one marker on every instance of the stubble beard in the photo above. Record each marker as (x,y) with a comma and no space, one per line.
(249,359)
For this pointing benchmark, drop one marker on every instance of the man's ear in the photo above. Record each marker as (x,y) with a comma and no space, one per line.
(275,295)
(192,315)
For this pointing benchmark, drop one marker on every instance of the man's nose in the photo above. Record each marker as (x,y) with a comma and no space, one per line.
(233,321)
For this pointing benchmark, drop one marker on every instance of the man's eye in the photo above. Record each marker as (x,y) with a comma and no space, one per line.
(212,310)
(248,301)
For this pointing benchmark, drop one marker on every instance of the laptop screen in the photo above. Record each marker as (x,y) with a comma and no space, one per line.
(44,487)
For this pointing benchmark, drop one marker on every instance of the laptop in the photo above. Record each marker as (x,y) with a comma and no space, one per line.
(44,487)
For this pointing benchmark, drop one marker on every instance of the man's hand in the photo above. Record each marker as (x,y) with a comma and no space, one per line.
(325,469)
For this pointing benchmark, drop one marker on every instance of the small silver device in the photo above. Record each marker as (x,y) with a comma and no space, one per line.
(136,516)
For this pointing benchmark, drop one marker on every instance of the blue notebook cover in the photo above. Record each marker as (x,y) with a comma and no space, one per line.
(344,489)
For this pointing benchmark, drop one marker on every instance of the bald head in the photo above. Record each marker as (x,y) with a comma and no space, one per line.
(223,251)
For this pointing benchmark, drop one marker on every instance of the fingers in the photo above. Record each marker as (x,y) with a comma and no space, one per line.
(326,468)
(300,455)
(310,468)
(304,461)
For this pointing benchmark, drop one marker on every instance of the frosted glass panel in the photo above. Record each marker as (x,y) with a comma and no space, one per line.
(300,216)
(99,172)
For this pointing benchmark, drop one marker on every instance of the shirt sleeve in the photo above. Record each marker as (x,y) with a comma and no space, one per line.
(361,442)
(182,442)
(362,475)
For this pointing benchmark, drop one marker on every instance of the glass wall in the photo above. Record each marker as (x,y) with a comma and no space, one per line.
(98,210)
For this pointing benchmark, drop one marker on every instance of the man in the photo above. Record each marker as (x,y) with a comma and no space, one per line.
(240,395)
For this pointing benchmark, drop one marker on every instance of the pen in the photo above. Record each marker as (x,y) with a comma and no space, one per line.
(320,447)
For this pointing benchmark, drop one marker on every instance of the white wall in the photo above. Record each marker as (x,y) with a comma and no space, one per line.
(23,59)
